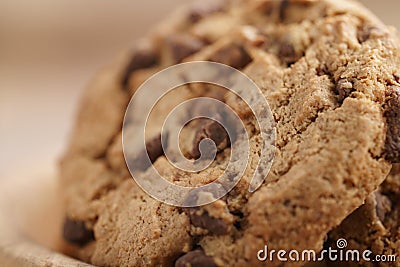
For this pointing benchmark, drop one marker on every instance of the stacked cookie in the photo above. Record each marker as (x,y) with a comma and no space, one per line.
(330,73)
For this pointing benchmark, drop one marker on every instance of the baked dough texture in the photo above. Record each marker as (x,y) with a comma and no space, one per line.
(330,71)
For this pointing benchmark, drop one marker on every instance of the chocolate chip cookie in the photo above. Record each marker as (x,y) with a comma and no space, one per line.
(374,225)
(330,73)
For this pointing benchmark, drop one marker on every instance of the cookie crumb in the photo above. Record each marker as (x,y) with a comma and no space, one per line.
(344,88)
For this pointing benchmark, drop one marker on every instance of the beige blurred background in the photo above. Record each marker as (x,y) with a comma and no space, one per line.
(49,49)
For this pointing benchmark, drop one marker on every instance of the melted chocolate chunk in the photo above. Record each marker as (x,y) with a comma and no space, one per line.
(344,88)
(397,77)
(282,9)
(395,169)
(383,206)
(232,55)
(266,8)
(322,70)
(204,8)
(201,218)
(183,45)
(287,53)
(392,115)
(141,59)
(196,258)
(76,232)
(286,4)
(154,150)
(364,34)
(212,130)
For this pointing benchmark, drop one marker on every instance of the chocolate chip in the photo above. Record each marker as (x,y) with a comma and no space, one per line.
(395,169)
(142,58)
(183,45)
(397,77)
(212,130)
(288,7)
(232,55)
(266,8)
(287,53)
(217,133)
(76,232)
(154,150)
(282,9)
(392,115)
(196,258)
(322,70)
(383,206)
(344,88)
(201,218)
(204,8)
(364,33)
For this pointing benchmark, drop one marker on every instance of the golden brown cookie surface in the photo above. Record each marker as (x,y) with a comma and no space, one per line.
(329,70)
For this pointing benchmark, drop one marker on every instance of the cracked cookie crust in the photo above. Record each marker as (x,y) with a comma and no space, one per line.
(330,72)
